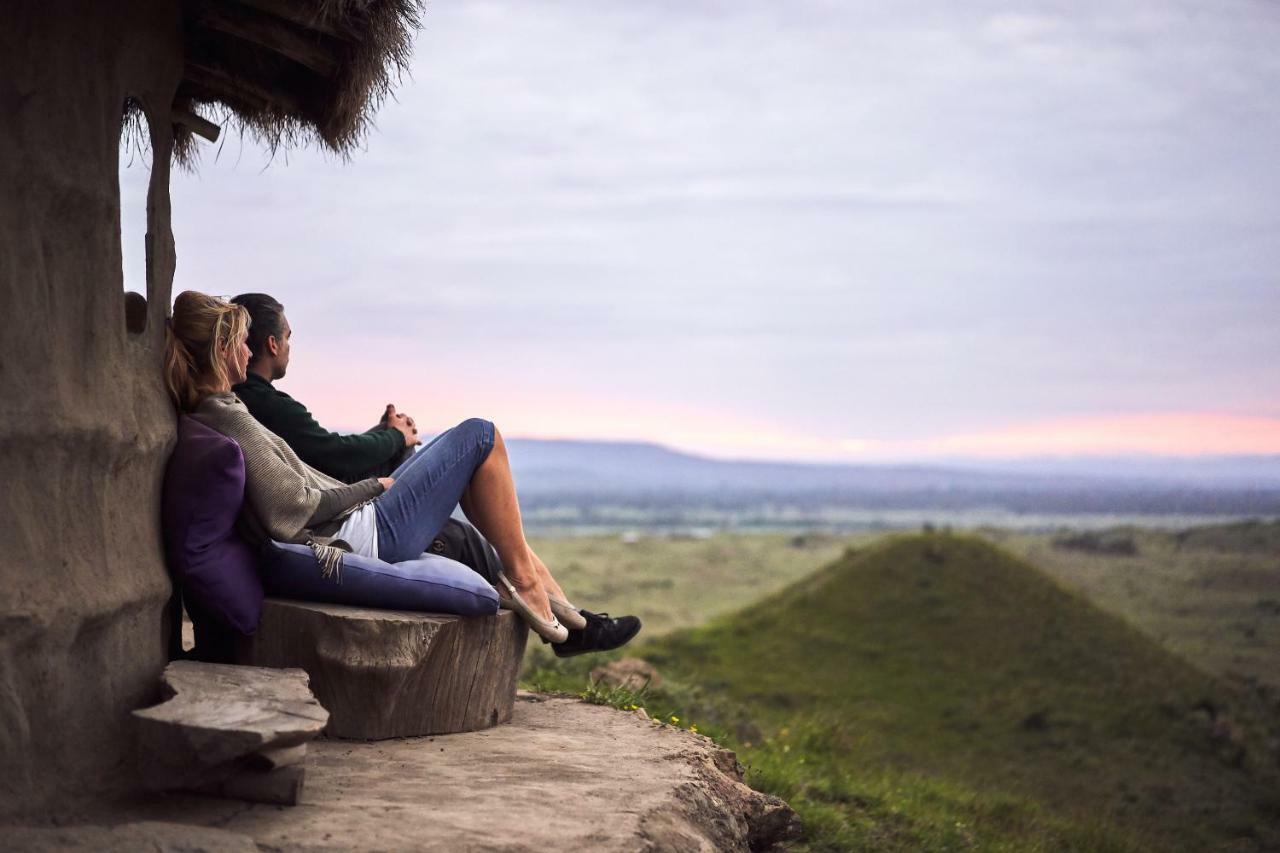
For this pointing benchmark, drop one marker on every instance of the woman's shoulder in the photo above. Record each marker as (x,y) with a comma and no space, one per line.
(229,416)
(223,410)
(220,400)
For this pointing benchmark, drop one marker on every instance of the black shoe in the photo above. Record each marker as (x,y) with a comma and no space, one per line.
(601,634)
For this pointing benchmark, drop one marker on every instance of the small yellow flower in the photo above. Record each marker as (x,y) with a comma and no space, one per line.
(674,719)
(694,728)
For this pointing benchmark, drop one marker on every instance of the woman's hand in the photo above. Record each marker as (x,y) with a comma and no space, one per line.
(387,483)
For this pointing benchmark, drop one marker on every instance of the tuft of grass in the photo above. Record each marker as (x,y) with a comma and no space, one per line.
(663,706)
(615,696)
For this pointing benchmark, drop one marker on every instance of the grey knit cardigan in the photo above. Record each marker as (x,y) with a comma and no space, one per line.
(289,500)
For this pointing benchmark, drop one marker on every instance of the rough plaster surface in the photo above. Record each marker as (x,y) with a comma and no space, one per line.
(563,775)
(84,423)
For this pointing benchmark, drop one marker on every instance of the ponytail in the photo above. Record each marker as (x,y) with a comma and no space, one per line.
(197,336)
(179,371)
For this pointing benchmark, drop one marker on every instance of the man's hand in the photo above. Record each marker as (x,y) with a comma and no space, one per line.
(387,483)
(404,424)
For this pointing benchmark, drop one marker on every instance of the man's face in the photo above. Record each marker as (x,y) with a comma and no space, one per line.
(283,347)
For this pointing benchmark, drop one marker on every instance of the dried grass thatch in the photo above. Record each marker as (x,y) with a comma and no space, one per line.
(293,72)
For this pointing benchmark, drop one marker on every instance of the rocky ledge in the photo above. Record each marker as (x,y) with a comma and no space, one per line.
(563,775)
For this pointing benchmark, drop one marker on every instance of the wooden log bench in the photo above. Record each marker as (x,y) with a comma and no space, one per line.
(392,673)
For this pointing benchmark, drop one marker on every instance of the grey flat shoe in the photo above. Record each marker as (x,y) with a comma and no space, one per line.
(551,631)
(567,613)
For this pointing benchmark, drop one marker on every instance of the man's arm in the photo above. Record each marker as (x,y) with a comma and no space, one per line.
(345,457)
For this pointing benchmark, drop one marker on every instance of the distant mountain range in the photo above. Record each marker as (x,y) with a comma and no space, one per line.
(640,474)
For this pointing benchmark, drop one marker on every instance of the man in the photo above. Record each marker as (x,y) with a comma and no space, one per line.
(375,453)
(349,458)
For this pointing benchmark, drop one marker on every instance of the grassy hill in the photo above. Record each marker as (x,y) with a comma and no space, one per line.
(675,583)
(933,692)
(1209,594)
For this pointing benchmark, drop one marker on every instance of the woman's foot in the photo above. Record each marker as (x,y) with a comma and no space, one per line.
(565,611)
(533,592)
(536,614)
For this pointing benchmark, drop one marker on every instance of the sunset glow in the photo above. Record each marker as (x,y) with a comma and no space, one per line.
(1163,434)
(721,434)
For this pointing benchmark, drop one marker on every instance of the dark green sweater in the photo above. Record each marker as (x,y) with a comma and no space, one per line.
(346,457)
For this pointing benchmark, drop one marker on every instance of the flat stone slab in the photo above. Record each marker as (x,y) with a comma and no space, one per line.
(564,775)
(394,673)
(221,721)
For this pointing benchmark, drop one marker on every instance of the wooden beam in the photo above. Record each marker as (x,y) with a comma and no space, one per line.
(197,92)
(197,125)
(219,84)
(216,84)
(301,13)
(265,31)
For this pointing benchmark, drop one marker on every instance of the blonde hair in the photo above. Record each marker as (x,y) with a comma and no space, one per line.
(198,336)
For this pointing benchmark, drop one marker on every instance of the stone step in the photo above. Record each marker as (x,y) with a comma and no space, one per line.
(392,673)
(281,787)
(237,731)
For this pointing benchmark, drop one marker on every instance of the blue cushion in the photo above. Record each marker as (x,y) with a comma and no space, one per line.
(431,583)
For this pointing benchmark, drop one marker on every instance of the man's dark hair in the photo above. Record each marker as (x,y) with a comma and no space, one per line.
(267,316)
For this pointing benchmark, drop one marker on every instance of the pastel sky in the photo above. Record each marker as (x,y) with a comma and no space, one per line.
(811,230)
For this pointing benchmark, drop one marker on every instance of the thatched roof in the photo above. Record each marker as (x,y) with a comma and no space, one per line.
(292,71)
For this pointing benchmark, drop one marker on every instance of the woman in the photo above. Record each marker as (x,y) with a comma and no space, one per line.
(392,518)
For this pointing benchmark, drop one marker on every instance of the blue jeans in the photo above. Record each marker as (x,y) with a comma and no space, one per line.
(428,487)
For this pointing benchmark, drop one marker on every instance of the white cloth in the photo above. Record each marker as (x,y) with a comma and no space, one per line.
(360,531)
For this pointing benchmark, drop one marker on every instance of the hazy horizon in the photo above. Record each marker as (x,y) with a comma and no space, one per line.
(815,231)
(1262,470)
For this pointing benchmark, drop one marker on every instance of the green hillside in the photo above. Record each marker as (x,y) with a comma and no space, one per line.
(933,692)
(1209,594)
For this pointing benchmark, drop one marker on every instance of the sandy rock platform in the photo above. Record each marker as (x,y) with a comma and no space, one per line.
(563,775)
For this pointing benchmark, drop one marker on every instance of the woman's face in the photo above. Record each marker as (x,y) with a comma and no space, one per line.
(237,357)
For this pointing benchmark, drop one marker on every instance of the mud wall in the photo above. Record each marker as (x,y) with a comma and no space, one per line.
(85,426)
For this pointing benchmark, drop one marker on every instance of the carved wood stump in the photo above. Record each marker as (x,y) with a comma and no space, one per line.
(393,673)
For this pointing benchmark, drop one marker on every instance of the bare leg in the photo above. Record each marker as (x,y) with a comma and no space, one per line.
(544,574)
(547,580)
(490,503)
